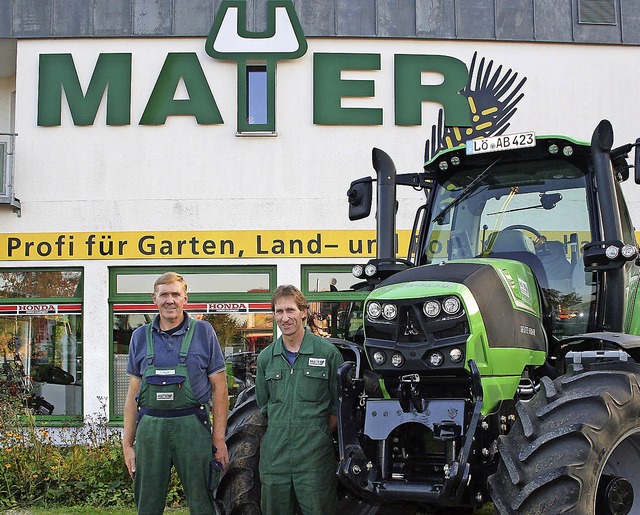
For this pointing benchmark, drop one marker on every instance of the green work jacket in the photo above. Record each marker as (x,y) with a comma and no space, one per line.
(297,401)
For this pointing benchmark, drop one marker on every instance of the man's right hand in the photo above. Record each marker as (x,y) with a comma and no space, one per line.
(129,425)
(130,459)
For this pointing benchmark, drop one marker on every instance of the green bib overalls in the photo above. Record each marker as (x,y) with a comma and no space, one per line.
(173,429)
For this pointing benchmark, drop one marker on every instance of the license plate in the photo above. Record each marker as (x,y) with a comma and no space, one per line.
(500,143)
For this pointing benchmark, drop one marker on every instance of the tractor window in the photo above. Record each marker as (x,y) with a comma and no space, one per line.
(534,212)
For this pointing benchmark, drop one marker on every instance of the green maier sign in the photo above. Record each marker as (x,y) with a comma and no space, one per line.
(229,40)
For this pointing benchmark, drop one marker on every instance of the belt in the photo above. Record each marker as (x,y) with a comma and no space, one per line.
(170,413)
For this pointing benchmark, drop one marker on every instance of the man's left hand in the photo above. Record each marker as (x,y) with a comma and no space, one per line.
(222,455)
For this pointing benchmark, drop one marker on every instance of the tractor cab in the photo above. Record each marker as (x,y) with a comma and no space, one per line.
(532,207)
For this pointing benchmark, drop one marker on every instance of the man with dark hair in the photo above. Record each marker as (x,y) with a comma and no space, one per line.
(175,369)
(297,390)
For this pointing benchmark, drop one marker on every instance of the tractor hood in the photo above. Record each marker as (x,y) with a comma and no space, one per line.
(461,310)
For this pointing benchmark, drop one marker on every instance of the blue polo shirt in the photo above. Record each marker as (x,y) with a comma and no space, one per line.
(205,357)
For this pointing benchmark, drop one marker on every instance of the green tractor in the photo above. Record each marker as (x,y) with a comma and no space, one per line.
(500,358)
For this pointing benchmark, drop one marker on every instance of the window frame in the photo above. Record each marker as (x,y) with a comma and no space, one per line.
(244,127)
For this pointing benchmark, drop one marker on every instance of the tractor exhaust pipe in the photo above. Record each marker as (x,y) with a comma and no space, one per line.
(612,311)
(386,208)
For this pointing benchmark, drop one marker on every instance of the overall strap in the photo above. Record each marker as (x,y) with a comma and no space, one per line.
(184,347)
(186,340)
(150,353)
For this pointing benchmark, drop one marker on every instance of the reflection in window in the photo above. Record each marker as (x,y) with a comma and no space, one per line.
(330,281)
(41,357)
(39,283)
(198,283)
(337,319)
(256,95)
(241,335)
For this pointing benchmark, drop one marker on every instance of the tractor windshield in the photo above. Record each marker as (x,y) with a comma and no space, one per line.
(535,212)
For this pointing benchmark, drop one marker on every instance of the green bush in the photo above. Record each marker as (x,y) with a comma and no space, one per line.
(81,466)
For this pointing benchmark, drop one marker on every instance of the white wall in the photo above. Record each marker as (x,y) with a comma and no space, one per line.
(181,176)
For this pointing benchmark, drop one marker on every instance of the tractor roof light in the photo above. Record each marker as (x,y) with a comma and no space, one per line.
(370,270)
(629,251)
(612,252)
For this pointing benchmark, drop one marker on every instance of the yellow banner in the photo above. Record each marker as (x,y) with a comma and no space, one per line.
(192,244)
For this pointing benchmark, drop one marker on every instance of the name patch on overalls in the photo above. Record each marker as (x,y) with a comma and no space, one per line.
(160,372)
(164,396)
(317,362)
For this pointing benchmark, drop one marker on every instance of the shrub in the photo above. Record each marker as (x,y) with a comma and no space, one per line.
(74,466)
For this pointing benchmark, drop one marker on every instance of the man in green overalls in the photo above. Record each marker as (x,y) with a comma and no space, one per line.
(175,369)
(296,388)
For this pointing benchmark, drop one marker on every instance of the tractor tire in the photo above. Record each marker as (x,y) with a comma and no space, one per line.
(574,449)
(239,488)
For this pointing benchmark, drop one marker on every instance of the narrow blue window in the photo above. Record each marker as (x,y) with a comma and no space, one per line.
(256,95)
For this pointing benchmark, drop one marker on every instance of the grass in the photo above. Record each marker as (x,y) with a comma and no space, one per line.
(84,510)
(87,510)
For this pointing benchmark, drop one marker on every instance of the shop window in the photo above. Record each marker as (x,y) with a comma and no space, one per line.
(335,304)
(234,300)
(41,339)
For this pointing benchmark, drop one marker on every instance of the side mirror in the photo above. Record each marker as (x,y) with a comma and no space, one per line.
(360,198)
(549,200)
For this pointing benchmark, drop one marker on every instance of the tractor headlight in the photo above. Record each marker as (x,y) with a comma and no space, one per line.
(357,270)
(374,309)
(451,305)
(389,311)
(397,360)
(436,359)
(431,308)
(455,355)
(379,357)
(370,270)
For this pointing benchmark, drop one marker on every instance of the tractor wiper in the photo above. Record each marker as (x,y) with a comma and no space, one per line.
(514,210)
(473,185)
(547,201)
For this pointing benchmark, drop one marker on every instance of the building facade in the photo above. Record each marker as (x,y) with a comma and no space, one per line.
(219,139)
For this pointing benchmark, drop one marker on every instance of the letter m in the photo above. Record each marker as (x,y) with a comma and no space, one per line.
(57,74)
